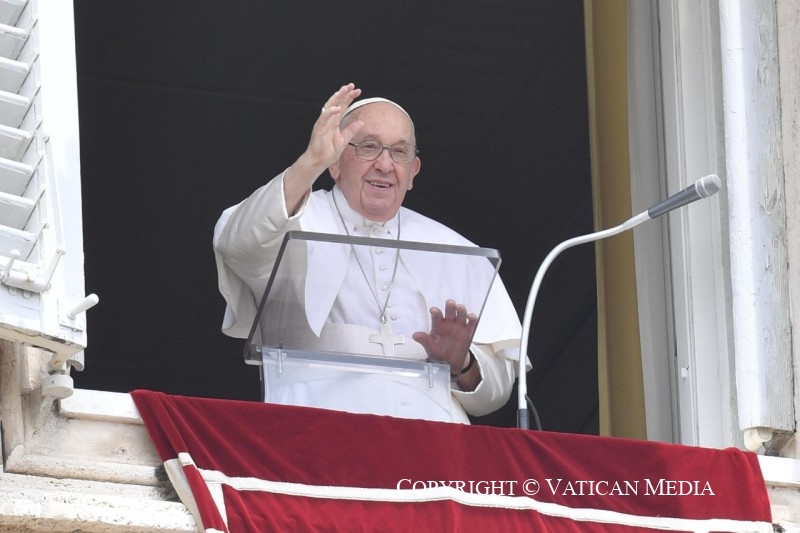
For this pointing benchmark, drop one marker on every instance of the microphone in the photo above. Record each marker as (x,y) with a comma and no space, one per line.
(702,188)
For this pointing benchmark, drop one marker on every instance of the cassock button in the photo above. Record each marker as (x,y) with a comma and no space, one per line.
(385,288)
(384,267)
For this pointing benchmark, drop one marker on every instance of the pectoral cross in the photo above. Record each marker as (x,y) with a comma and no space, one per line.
(386,339)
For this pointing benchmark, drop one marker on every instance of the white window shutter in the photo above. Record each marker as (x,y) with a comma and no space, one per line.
(42,298)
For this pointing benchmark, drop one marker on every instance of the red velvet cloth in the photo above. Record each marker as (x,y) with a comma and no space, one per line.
(586,477)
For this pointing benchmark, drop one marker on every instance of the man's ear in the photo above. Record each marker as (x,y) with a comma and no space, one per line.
(333,170)
(416,166)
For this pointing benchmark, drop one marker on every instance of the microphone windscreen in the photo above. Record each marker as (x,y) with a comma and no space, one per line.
(708,185)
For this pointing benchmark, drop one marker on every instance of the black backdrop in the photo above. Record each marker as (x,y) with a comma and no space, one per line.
(186,106)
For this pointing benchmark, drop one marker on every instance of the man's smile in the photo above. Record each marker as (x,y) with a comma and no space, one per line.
(379,184)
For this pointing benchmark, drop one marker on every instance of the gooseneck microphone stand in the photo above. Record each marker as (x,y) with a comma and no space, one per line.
(702,188)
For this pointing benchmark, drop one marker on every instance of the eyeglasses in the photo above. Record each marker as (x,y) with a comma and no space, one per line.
(403,153)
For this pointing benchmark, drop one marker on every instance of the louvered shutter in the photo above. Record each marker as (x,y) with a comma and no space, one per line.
(42,298)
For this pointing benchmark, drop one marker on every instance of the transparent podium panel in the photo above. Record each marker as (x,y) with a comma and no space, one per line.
(408,388)
(339,314)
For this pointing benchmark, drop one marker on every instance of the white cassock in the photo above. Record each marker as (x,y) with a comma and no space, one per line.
(340,291)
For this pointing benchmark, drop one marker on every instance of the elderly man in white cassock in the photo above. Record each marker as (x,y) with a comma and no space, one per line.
(369,148)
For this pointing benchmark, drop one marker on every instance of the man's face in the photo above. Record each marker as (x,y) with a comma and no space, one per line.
(376,189)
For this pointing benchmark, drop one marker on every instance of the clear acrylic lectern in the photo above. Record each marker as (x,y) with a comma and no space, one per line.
(310,343)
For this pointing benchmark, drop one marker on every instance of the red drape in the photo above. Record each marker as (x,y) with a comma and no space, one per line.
(262,467)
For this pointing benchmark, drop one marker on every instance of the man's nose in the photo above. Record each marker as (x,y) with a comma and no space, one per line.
(384,160)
